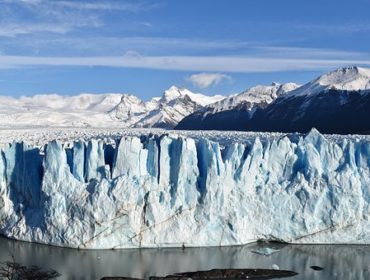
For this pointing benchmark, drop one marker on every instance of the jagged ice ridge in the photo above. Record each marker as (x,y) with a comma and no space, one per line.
(160,191)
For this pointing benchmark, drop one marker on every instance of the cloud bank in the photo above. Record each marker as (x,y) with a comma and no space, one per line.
(228,64)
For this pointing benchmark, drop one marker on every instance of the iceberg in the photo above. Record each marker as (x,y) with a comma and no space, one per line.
(173,191)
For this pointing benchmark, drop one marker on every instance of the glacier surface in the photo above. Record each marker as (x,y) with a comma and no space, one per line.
(173,191)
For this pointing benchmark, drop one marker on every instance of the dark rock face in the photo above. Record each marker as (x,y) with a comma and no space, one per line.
(332,111)
(317,268)
(225,120)
(230,274)
(340,112)
(215,274)
(119,278)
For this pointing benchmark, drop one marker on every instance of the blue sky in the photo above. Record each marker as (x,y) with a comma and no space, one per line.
(143,47)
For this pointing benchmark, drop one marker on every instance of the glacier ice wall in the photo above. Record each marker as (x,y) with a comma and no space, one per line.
(165,190)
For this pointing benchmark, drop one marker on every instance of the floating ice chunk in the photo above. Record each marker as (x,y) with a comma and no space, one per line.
(265,251)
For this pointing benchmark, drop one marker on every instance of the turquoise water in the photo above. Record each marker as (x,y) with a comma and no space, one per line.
(338,261)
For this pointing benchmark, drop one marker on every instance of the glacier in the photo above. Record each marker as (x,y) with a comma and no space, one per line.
(172,191)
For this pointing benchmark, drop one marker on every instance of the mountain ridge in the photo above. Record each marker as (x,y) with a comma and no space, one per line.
(342,94)
(110,109)
(336,102)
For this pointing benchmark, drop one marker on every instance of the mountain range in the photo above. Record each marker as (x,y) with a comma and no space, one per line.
(102,110)
(336,102)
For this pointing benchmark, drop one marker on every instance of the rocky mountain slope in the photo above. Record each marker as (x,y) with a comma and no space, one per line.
(231,111)
(336,102)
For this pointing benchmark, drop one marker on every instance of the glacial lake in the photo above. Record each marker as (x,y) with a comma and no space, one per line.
(339,261)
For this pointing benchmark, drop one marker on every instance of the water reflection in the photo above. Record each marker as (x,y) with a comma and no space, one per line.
(339,261)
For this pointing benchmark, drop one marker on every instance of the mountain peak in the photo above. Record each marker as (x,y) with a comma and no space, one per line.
(351,78)
(174,92)
(253,97)
(347,78)
(173,88)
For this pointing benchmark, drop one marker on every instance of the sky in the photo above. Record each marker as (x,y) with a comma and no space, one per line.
(143,47)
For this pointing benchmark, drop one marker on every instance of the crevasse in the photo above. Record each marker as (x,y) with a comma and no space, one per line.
(160,191)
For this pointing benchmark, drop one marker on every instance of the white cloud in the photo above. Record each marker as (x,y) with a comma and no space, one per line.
(299,52)
(330,28)
(100,45)
(13,30)
(106,5)
(60,17)
(132,6)
(205,80)
(231,64)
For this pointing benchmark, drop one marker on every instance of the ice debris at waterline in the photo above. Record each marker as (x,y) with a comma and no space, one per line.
(158,191)
(265,251)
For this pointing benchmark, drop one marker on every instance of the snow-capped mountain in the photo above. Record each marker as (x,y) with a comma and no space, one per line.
(57,110)
(254,97)
(246,103)
(344,79)
(336,102)
(164,112)
(174,93)
(102,110)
